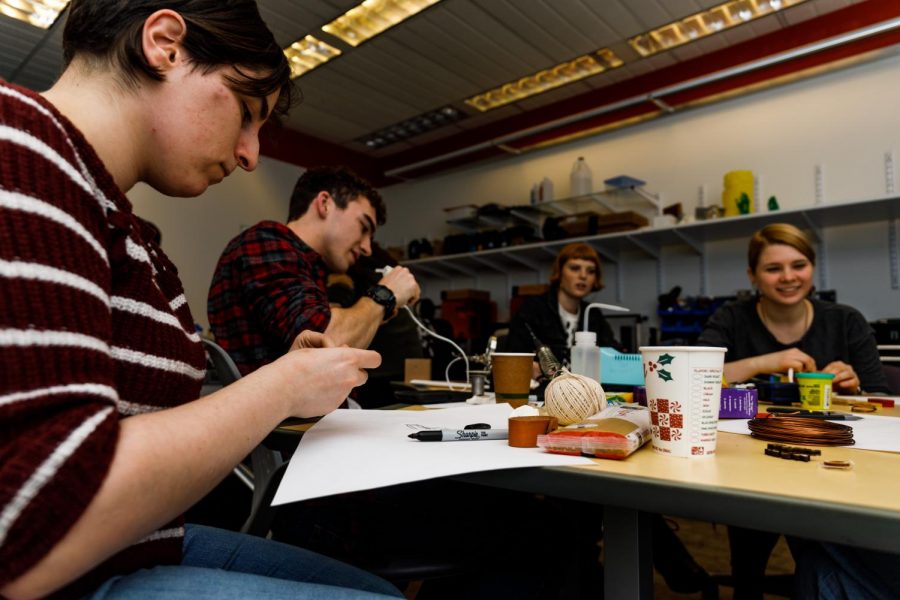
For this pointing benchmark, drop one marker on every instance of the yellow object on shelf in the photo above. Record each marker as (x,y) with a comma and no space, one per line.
(737,193)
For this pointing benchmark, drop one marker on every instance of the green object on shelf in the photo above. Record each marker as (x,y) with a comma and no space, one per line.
(743,204)
(773,203)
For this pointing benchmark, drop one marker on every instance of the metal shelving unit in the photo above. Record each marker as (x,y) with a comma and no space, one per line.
(653,241)
(603,202)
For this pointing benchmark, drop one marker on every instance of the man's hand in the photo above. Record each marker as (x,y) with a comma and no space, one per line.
(311,339)
(400,281)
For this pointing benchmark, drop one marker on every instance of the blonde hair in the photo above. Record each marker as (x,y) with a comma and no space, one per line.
(578,250)
(779,233)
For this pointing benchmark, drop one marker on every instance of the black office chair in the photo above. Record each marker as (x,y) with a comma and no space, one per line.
(263,476)
(264,468)
(892,373)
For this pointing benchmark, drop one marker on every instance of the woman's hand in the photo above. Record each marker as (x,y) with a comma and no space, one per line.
(314,381)
(780,362)
(845,379)
(774,362)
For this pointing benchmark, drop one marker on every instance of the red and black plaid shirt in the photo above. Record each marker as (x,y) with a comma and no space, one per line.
(268,287)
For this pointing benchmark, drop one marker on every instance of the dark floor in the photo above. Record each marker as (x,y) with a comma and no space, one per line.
(708,543)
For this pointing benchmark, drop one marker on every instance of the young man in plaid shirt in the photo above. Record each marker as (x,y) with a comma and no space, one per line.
(270,282)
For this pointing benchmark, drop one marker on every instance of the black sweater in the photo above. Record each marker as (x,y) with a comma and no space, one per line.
(837,332)
(542,314)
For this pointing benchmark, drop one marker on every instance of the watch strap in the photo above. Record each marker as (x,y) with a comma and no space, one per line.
(385,297)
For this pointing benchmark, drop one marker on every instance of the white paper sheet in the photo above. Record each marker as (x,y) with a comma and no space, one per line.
(352,450)
(870,432)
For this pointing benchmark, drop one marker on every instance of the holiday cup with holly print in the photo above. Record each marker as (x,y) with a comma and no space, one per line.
(684,386)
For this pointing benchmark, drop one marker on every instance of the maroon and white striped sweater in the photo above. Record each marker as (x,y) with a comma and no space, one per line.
(94,328)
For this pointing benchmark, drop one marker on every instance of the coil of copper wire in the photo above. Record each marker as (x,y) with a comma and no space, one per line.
(802,430)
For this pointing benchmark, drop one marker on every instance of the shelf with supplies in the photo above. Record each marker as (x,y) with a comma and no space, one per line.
(614,200)
(652,241)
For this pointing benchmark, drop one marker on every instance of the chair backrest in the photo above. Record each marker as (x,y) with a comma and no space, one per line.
(892,373)
(266,465)
(225,368)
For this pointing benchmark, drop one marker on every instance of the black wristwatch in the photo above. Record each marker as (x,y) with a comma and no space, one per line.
(385,297)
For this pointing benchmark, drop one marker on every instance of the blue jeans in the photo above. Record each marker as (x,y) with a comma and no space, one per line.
(835,572)
(224,565)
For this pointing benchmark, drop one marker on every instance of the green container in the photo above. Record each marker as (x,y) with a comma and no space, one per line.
(815,390)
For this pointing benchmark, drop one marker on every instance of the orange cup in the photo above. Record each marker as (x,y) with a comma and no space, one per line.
(512,376)
(523,431)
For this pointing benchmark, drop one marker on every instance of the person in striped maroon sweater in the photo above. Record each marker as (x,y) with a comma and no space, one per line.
(102,441)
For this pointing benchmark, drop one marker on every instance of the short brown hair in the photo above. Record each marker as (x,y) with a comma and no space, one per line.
(779,233)
(219,33)
(344,186)
(576,250)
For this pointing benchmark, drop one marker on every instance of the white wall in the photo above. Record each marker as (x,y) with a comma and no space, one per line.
(844,121)
(196,230)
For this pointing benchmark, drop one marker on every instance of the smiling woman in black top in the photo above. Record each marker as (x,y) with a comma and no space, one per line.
(783,328)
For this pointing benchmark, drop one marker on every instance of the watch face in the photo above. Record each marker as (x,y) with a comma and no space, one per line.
(383,296)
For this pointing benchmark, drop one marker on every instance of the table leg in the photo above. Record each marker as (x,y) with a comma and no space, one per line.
(628,554)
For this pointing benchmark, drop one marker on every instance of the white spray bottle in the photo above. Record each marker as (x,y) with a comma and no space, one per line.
(586,352)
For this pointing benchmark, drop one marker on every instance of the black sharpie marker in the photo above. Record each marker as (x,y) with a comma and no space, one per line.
(459,435)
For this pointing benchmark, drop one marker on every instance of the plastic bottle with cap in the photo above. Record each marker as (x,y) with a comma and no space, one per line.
(586,355)
(581,179)
(546,190)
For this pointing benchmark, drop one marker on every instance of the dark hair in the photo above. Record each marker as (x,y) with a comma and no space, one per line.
(219,33)
(344,186)
(576,250)
(779,233)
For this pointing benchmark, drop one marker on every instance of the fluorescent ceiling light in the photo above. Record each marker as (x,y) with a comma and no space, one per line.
(548,79)
(307,54)
(373,17)
(353,27)
(40,14)
(702,24)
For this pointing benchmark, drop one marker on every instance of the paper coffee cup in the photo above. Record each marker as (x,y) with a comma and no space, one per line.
(815,390)
(684,387)
(512,376)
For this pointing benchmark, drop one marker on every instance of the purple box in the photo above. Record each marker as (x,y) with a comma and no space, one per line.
(738,403)
(640,395)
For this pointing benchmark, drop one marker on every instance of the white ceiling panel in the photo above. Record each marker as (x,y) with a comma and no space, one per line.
(595,29)
(515,16)
(507,39)
(578,38)
(325,124)
(449,52)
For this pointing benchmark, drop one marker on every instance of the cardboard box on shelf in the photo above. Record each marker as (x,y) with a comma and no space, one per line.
(533,289)
(465,294)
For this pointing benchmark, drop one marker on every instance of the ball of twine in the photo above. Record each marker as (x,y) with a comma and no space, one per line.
(572,398)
